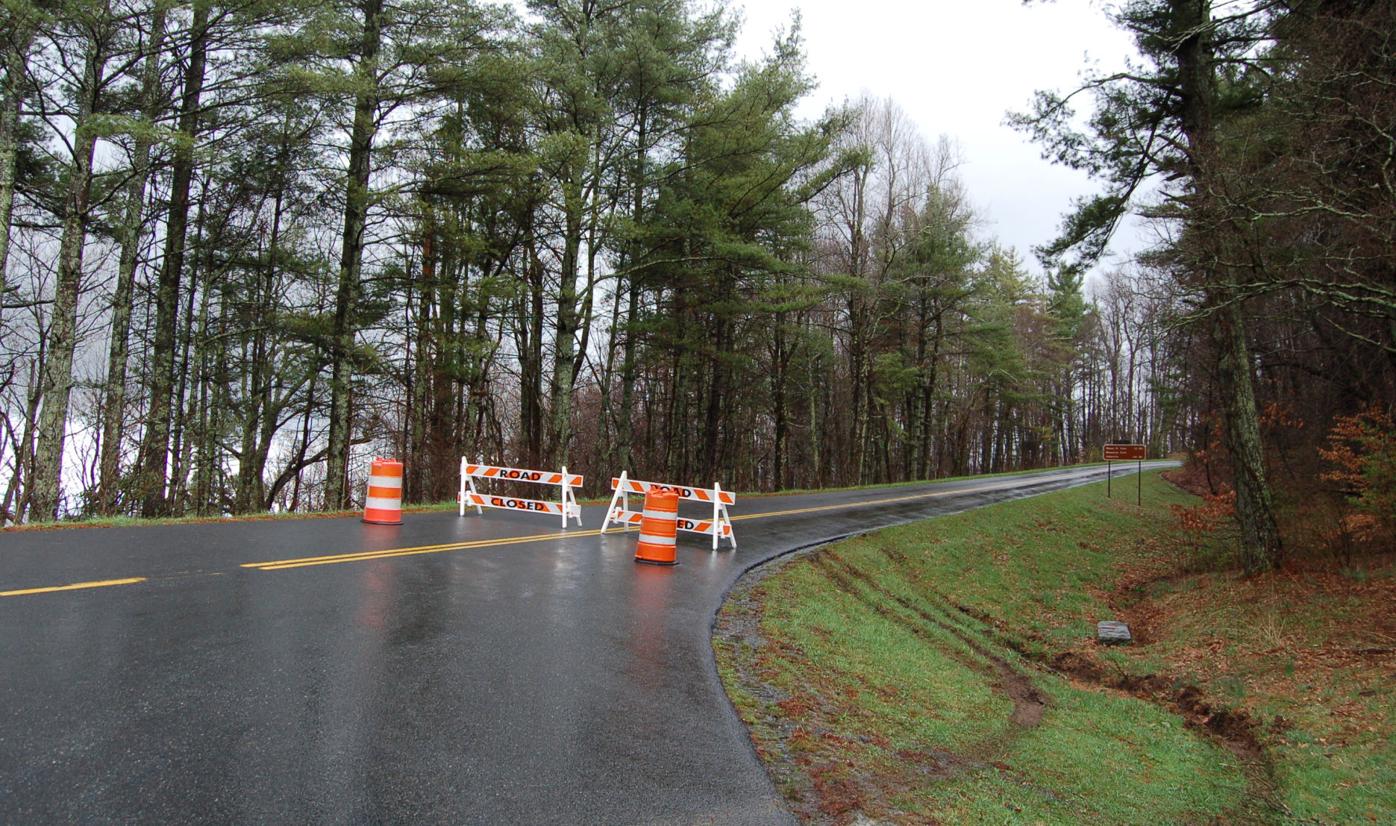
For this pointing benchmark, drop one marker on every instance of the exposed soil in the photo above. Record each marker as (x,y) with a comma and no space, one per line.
(1236,730)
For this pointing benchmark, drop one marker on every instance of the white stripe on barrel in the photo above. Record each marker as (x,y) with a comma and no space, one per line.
(383,496)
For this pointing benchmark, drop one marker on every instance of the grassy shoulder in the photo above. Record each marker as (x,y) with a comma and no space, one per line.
(945,670)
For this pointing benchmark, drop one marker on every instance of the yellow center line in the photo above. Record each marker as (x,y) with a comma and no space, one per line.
(887,501)
(76,586)
(391,553)
(448,546)
(365,556)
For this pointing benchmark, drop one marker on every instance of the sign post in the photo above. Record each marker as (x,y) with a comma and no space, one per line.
(1126,453)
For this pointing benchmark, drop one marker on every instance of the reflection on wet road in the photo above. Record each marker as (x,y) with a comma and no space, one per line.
(482,670)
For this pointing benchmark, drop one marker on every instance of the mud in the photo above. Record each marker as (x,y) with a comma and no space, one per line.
(1236,730)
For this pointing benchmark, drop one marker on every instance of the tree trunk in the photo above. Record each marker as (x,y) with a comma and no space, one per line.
(624,422)
(419,378)
(57,377)
(711,460)
(1255,507)
(260,420)
(180,414)
(530,337)
(114,410)
(565,330)
(155,447)
(18,492)
(928,390)
(1254,503)
(779,361)
(356,202)
(21,38)
(624,427)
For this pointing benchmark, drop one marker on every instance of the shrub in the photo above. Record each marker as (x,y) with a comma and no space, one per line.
(1199,522)
(1361,455)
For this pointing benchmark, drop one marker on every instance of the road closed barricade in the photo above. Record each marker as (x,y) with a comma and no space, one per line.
(471,497)
(719,527)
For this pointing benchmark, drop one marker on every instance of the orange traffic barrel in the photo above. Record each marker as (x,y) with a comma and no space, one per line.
(383,504)
(659,527)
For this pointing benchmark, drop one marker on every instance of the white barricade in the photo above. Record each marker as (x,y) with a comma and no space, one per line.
(470,497)
(719,527)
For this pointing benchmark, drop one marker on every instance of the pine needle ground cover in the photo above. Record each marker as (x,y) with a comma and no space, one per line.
(946,671)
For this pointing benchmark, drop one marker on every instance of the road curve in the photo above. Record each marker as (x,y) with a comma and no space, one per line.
(464,670)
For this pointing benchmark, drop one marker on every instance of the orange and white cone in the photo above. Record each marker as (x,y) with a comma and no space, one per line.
(659,528)
(383,504)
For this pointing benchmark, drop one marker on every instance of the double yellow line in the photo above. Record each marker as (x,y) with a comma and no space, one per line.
(364,556)
(393,553)
(76,586)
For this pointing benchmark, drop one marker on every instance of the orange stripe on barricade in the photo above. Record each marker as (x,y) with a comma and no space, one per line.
(684,491)
(567,507)
(718,526)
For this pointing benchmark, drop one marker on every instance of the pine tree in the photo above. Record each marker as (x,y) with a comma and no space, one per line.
(23,25)
(1163,120)
(92,31)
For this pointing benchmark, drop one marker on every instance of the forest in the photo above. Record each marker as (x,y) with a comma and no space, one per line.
(246,246)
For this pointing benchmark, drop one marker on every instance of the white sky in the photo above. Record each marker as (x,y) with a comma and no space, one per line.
(956,68)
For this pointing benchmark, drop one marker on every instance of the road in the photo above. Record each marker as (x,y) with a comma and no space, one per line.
(466,670)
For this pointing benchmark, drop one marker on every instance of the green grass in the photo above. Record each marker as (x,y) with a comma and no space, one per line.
(879,682)
(1036,565)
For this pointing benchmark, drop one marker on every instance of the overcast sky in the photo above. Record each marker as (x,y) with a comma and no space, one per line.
(956,67)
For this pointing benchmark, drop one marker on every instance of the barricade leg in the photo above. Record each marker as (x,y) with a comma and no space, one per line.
(717,513)
(619,495)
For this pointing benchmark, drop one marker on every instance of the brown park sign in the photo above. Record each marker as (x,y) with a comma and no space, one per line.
(1126,453)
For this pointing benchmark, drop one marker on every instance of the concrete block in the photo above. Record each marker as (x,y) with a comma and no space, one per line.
(1112,632)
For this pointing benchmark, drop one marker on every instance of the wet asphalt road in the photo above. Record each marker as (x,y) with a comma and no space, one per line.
(549,680)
